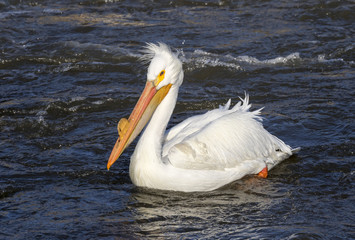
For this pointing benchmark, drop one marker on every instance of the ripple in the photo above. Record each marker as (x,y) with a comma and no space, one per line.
(70,70)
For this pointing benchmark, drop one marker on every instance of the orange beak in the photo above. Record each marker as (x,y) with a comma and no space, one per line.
(129,129)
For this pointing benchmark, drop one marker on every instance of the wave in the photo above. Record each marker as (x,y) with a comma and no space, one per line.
(101,48)
(201,59)
(43,117)
(77,56)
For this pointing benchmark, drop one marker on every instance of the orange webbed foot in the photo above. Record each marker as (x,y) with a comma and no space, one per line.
(263,173)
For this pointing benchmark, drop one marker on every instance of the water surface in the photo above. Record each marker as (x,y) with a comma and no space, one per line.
(70,71)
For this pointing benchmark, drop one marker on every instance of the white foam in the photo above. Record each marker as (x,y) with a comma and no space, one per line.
(41,113)
(202,59)
(98,102)
(322,59)
(73,109)
(253,60)
(73,99)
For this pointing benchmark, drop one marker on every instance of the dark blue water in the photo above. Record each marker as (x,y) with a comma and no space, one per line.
(69,70)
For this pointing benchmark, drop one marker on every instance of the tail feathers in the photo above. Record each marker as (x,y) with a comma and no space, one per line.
(242,105)
(295,150)
(226,106)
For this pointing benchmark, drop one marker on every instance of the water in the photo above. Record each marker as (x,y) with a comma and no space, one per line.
(70,71)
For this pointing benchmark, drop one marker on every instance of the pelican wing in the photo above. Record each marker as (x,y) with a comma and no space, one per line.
(193,125)
(223,138)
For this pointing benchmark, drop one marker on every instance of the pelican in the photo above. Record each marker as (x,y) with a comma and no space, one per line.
(202,153)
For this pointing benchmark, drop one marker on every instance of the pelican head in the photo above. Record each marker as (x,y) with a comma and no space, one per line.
(164,72)
(164,65)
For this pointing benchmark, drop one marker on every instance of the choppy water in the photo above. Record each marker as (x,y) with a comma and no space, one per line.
(69,71)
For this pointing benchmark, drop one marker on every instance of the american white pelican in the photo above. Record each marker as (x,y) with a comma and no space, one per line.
(203,152)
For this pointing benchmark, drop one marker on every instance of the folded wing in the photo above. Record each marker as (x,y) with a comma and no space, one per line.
(223,138)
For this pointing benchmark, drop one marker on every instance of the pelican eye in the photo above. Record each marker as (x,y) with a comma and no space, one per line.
(160,78)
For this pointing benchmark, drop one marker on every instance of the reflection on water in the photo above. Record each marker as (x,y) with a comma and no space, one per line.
(201,213)
(70,71)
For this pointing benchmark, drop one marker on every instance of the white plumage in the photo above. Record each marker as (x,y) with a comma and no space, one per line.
(202,153)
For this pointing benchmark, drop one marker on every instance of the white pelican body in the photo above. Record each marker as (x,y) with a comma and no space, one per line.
(203,152)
